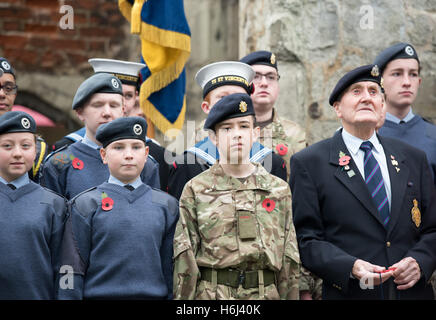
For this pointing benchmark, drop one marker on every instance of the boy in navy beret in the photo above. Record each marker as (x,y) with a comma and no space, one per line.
(235,238)
(130,225)
(400,67)
(31,217)
(78,167)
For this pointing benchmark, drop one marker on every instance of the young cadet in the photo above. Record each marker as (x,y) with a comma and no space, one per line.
(119,235)
(400,69)
(78,167)
(284,136)
(8,93)
(364,205)
(218,80)
(31,217)
(235,238)
(128,73)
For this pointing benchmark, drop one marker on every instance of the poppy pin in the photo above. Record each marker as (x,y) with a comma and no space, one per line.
(76,163)
(282,149)
(107,203)
(268,204)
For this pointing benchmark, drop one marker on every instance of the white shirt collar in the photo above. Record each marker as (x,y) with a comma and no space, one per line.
(353,143)
(137,183)
(393,118)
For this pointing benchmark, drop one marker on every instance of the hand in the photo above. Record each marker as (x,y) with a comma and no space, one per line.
(407,274)
(371,272)
(305,295)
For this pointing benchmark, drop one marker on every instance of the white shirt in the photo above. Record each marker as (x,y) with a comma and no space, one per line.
(353,145)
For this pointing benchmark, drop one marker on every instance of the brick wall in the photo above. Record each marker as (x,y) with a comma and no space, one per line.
(31,37)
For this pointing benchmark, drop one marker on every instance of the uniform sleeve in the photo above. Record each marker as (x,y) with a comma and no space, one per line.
(186,242)
(289,275)
(75,250)
(166,251)
(150,174)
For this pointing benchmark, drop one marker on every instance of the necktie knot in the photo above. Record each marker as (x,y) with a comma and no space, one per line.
(366,146)
(129,187)
(10,185)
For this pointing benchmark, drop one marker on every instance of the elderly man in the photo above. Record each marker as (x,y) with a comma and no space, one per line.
(364,205)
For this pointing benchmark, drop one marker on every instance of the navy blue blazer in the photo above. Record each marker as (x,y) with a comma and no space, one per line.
(336,221)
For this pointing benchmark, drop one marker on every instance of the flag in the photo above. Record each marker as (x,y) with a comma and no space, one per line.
(165,48)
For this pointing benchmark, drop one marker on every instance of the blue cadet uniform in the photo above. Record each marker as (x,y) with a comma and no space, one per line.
(119,239)
(41,146)
(413,129)
(78,166)
(31,223)
(204,154)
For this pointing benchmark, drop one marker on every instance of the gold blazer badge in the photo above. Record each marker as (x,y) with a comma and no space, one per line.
(416,214)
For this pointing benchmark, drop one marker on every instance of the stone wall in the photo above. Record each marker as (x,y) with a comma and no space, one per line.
(316,42)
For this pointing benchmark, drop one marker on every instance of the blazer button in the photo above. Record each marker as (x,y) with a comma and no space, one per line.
(388,244)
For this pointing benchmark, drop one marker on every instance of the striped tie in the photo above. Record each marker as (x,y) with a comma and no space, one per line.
(375,183)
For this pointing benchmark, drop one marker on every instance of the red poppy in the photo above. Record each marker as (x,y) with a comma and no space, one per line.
(282,149)
(268,205)
(344,160)
(77,164)
(107,203)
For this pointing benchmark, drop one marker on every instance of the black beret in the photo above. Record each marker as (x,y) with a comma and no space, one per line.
(122,128)
(232,106)
(6,67)
(98,83)
(397,51)
(17,121)
(261,57)
(363,73)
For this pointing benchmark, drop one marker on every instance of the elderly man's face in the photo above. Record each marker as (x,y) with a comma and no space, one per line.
(361,104)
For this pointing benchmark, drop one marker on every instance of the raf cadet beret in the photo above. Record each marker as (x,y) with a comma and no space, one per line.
(122,128)
(6,67)
(17,121)
(363,73)
(261,57)
(126,71)
(232,106)
(223,73)
(98,83)
(397,51)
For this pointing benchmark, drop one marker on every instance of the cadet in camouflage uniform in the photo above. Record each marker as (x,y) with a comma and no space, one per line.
(235,238)
(283,136)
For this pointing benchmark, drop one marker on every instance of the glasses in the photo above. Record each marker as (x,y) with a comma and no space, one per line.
(9,88)
(270,77)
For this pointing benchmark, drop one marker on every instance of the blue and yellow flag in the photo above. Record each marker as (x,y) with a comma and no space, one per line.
(165,48)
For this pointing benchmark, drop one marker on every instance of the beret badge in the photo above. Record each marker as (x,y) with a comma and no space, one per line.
(409,50)
(5,65)
(25,123)
(137,129)
(115,83)
(375,72)
(243,106)
(273,58)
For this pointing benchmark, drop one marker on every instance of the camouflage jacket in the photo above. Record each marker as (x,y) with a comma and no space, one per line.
(208,234)
(284,137)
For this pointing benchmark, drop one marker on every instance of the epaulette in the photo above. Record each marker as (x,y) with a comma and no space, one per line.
(164,199)
(53,198)
(87,201)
